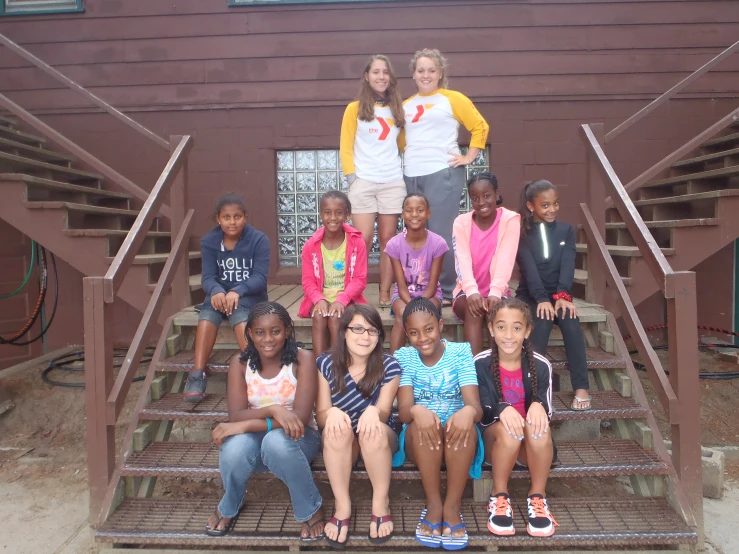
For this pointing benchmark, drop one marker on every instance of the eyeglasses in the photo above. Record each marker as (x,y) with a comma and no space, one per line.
(359,330)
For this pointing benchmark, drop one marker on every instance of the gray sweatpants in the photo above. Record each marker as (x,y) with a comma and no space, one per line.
(444,190)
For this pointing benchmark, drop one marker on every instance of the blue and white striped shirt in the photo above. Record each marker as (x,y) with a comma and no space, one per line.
(351,401)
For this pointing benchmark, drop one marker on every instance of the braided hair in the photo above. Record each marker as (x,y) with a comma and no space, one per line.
(513,304)
(337,195)
(488,177)
(416,195)
(250,354)
(528,194)
(420,304)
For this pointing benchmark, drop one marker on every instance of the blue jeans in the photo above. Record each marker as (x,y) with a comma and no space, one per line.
(273,452)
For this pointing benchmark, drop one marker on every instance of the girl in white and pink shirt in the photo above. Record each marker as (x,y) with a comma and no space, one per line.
(485,243)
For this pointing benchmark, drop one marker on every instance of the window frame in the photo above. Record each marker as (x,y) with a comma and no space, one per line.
(43,9)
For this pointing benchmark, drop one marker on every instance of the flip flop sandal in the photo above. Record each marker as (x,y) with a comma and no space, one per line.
(447,303)
(379,521)
(577,403)
(429,541)
(455,543)
(309,539)
(336,545)
(215,531)
(383,304)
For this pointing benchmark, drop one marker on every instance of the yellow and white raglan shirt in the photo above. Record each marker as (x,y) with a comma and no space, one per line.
(432,128)
(369,149)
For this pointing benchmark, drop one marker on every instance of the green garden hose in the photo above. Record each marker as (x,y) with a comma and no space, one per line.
(28,274)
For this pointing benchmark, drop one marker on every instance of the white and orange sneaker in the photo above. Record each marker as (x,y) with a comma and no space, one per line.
(500,515)
(541,521)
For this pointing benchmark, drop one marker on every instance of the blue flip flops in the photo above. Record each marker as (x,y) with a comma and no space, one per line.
(454,543)
(429,541)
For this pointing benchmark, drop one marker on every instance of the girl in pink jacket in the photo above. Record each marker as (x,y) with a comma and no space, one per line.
(485,243)
(334,262)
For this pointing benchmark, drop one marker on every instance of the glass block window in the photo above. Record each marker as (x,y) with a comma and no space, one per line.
(302,177)
(25,7)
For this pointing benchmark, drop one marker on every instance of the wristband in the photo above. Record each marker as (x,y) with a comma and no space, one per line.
(269,424)
(563,295)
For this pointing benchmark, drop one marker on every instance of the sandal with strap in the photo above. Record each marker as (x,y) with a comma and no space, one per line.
(215,531)
(577,403)
(379,521)
(455,543)
(309,539)
(429,541)
(340,524)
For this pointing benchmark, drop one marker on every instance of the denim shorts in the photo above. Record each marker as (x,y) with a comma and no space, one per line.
(209,313)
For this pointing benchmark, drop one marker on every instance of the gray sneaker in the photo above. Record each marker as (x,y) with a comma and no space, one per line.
(197,381)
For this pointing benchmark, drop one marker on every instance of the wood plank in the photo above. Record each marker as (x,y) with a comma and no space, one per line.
(275,294)
(342,90)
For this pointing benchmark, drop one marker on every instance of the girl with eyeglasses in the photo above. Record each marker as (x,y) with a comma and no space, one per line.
(356,389)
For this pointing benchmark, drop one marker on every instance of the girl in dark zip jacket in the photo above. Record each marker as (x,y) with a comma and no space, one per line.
(546,260)
(515,386)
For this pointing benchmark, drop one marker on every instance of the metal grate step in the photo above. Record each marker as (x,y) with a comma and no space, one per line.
(605,405)
(576,459)
(583,522)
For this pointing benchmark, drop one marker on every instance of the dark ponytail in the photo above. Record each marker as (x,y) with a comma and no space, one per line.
(528,194)
(490,178)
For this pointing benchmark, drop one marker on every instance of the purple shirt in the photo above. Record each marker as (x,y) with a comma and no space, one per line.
(416,263)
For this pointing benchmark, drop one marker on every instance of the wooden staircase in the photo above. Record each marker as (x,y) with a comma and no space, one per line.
(691,213)
(170,440)
(72,212)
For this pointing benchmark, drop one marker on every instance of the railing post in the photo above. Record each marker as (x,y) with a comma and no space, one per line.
(178,204)
(682,329)
(98,382)
(595,193)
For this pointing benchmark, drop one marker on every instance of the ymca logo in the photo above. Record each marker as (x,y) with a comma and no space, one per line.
(385,123)
(420,110)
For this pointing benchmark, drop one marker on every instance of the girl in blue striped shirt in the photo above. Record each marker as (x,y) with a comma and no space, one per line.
(439,404)
(357,385)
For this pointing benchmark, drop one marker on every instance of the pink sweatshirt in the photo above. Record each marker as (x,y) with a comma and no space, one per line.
(501,266)
(355,279)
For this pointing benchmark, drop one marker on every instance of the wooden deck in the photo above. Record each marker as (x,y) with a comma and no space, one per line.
(290,296)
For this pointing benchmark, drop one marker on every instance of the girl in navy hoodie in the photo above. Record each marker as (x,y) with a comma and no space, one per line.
(235,260)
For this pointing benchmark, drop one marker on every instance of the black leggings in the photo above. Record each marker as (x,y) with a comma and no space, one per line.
(574,344)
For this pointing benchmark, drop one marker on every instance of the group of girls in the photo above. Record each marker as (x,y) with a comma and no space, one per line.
(459,406)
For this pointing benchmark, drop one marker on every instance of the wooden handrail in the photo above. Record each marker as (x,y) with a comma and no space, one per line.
(77,151)
(649,248)
(692,144)
(122,383)
(670,93)
(46,68)
(135,237)
(599,251)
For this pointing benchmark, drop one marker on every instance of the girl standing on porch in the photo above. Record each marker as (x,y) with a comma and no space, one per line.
(235,259)
(356,389)
(271,392)
(371,161)
(334,267)
(485,245)
(433,164)
(546,259)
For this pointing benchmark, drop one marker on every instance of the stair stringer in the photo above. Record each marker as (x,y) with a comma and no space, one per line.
(86,254)
(692,245)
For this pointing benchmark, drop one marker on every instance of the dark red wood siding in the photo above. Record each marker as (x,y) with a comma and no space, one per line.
(248,80)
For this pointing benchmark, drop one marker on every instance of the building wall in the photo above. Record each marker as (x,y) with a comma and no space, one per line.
(247,81)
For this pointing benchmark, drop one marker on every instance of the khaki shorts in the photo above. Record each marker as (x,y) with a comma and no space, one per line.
(377,198)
